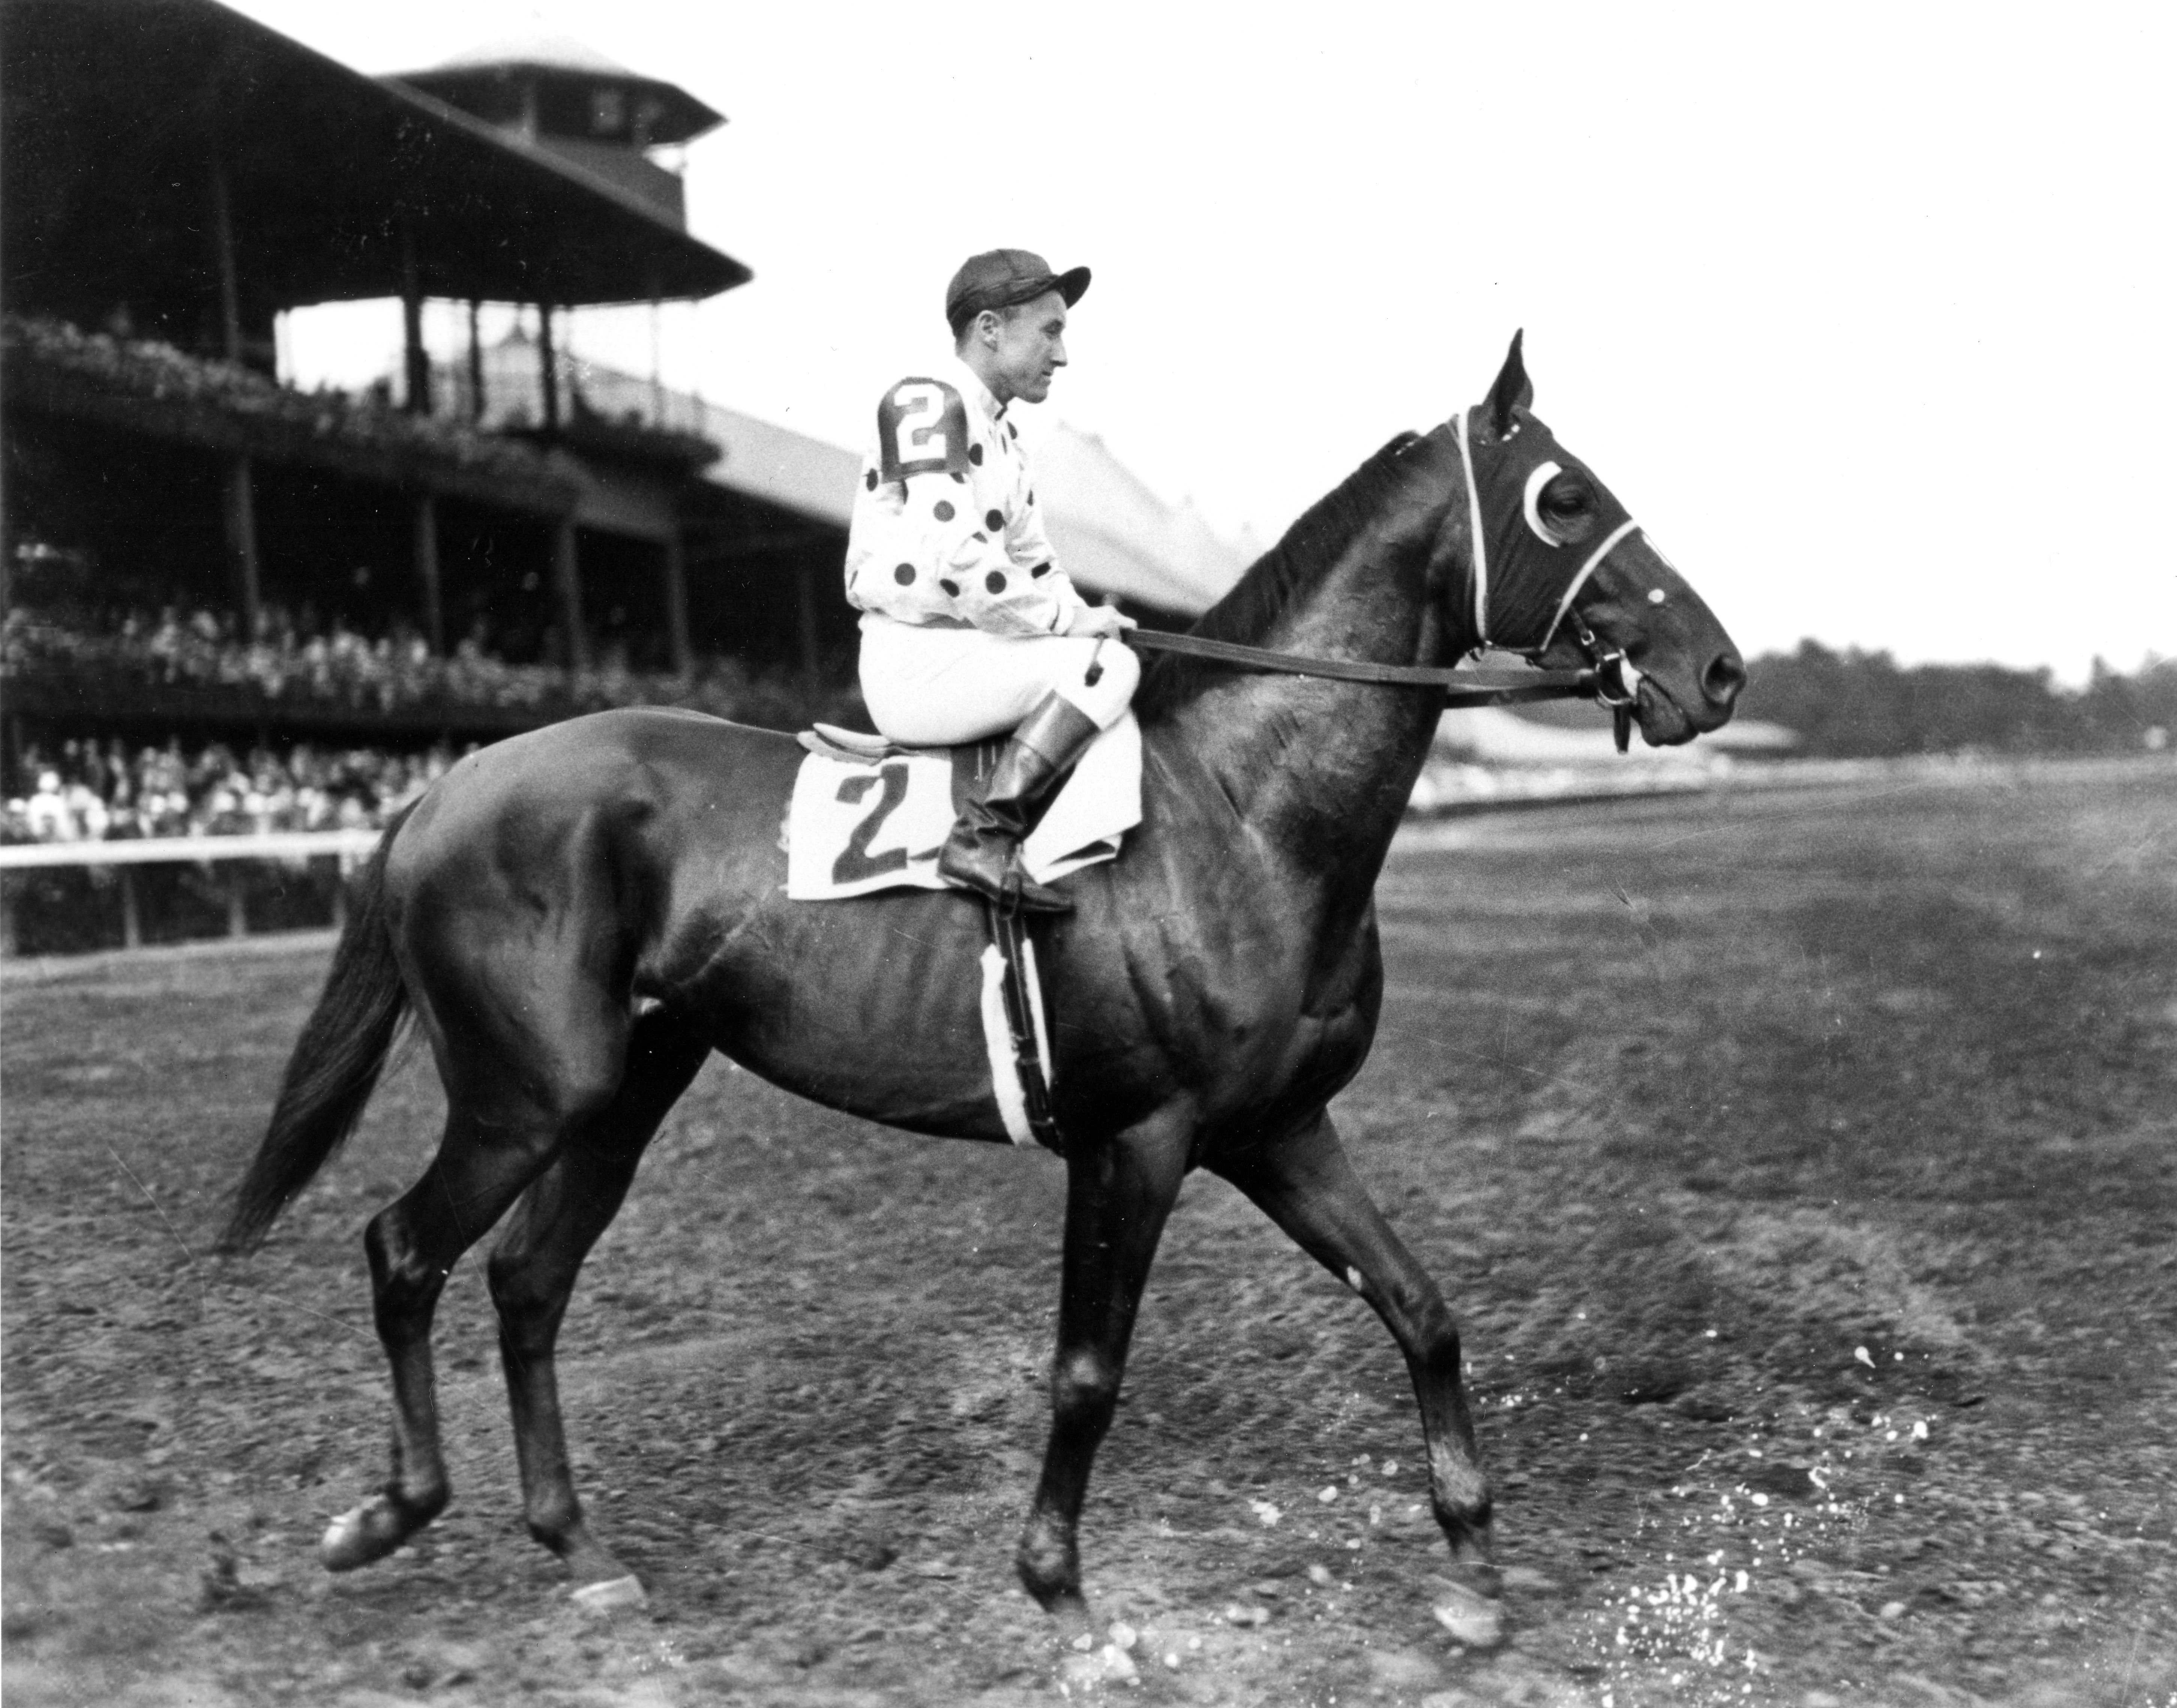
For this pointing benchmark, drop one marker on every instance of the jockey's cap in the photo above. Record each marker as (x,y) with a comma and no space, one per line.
(998,278)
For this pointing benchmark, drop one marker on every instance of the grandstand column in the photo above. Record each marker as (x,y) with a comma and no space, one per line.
(567,577)
(239,493)
(547,368)
(475,361)
(676,603)
(417,360)
(222,241)
(427,572)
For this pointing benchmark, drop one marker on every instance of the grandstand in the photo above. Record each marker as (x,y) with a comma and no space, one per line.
(234,606)
(178,175)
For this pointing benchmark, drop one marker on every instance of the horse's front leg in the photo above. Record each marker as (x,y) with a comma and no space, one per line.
(1305,1183)
(1118,1192)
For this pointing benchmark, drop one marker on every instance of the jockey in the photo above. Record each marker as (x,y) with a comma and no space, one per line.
(969,626)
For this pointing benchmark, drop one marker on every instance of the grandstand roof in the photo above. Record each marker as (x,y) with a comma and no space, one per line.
(542,52)
(114,117)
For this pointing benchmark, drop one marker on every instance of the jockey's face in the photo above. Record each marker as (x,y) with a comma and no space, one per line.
(1022,347)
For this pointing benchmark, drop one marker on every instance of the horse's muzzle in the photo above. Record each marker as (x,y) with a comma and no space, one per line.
(1666,721)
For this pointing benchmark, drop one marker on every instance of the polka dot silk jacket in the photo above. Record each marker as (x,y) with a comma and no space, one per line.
(947,529)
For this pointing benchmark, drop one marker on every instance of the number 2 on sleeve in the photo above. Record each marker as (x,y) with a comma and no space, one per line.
(919,434)
(922,428)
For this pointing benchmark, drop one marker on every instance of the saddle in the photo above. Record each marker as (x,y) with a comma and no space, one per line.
(854,746)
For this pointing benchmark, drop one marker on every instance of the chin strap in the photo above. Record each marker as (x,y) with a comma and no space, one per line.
(1616,681)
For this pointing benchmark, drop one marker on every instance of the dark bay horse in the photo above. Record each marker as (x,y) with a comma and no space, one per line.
(578,917)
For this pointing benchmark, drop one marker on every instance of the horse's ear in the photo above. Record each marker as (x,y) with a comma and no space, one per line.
(1513,390)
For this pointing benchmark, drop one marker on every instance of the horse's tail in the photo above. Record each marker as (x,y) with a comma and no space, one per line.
(337,1062)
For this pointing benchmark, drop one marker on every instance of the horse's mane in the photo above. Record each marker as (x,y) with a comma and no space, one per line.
(1298,560)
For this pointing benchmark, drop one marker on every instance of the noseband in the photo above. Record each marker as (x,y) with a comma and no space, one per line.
(1615,680)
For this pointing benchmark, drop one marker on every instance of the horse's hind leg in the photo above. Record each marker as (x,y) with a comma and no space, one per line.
(413,1244)
(529,1059)
(532,1271)
(1305,1183)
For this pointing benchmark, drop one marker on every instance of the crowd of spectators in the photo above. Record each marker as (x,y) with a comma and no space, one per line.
(120,363)
(291,657)
(84,792)
(296,657)
(83,788)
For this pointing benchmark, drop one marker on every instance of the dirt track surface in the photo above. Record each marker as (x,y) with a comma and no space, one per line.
(1804,1171)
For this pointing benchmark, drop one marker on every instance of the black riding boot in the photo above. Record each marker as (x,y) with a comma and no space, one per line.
(983,852)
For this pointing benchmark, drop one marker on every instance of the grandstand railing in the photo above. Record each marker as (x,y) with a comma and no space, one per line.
(153,850)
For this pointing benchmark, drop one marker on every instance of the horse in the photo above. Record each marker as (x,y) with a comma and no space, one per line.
(577,917)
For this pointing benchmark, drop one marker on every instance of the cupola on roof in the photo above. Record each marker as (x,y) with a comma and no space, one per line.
(554,86)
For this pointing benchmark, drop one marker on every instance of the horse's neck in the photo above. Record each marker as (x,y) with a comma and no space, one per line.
(1321,770)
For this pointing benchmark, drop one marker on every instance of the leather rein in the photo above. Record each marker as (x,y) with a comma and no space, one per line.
(1459,687)
(1610,679)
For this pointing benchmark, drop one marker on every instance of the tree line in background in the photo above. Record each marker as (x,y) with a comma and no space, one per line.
(1864,705)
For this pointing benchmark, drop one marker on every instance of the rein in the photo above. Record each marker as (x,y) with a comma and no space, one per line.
(1459,687)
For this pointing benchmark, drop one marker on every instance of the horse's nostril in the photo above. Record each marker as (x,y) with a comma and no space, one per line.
(1725,676)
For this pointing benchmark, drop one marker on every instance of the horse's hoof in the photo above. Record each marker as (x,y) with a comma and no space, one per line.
(1070,1622)
(613,1595)
(363,1533)
(1475,1620)
(1083,1674)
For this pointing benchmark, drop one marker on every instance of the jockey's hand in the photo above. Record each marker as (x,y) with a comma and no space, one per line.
(1100,619)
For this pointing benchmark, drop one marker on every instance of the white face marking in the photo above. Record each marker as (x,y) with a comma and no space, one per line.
(1656,596)
(1353,1278)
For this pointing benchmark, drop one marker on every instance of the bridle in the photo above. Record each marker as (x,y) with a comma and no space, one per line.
(1616,680)
(1611,678)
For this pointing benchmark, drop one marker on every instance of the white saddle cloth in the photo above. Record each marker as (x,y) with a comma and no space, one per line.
(859,825)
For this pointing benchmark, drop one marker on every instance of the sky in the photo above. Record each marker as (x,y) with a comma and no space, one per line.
(1864,310)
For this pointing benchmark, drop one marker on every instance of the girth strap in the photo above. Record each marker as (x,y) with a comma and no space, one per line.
(1021,993)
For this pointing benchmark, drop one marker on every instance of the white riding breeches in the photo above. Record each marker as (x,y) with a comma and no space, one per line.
(931,686)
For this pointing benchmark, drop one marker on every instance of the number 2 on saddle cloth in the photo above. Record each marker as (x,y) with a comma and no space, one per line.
(884,791)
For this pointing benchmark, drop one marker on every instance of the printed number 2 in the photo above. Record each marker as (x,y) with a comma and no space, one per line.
(919,436)
(854,862)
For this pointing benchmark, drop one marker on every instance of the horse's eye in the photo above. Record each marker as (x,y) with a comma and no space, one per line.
(1566,496)
(1560,507)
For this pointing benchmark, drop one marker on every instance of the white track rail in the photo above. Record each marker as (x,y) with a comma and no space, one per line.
(161,850)
(348,847)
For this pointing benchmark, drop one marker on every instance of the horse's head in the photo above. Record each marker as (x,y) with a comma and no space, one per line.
(1561,572)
